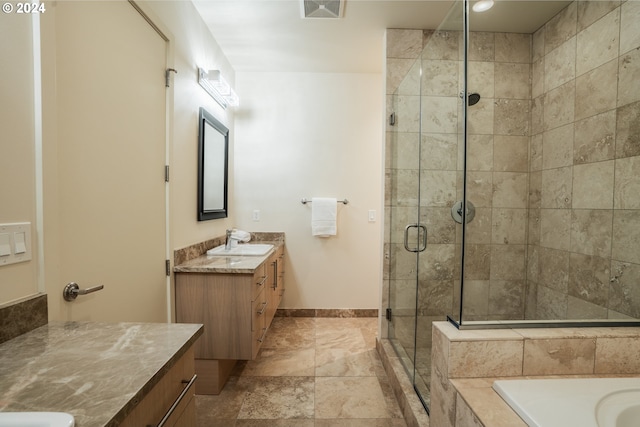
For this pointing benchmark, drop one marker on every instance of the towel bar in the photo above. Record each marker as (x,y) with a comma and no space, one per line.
(304,201)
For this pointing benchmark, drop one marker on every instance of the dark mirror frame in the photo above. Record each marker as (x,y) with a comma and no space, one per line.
(204,119)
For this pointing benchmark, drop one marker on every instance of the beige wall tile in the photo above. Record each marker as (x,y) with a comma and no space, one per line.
(512,80)
(508,226)
(626,235)
(535,190)
(439,77)
(627,131)
(507,262)
(552,305)
(442,45)
(617,355)
(438,188)
(481,77)
(464,414)
(554,228)
(404,43)
(559,106)
(440,114)
(590,11)
(629,75)
(559,356)
(589,278)
(537,115)
(557,149)
(476,297)
(627,186)
(480,152)
(506,299)
(469,359)
(407,108)
(479,230)
(477,262)
(440,151)
(560,65)
(510,153)
(557,188)
(509,190)
(397,70)
(480,117)
(536,152)
(591,232)
(480,188)
(511,117)
(629,30)
(578,308)
(594,138)
(560,28)
(595,92)
(481,46)
(410,83)
(624,292)
(598,43)
(593,185)
(537,78)
(513,47)
(438,262)
(537,45)
(441,228)
(554,269)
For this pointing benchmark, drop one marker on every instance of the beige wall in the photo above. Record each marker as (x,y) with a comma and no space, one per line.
(314,135)
(17,145)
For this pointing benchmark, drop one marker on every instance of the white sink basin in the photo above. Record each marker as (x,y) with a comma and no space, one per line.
(257,249)
(36,419)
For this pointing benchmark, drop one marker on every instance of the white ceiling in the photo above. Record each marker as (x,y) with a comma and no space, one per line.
(270,35)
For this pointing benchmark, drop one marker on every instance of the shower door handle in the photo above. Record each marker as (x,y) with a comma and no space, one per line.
(423,246)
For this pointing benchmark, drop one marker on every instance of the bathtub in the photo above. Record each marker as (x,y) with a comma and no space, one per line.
(574,402)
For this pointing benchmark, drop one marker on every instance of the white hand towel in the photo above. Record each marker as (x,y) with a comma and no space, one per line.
(242,236)
(323,216)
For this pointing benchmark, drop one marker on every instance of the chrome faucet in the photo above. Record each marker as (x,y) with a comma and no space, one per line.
(227,243)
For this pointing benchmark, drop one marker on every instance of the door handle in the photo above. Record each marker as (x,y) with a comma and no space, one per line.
(423,244)
(72,290)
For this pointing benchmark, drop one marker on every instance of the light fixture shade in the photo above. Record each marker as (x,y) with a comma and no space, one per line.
(217,87)
(482,5)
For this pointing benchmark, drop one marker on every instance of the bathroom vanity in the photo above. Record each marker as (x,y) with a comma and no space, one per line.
(104,374)
(235,298)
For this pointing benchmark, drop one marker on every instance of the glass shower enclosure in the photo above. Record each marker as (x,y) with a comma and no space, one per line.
(521,124)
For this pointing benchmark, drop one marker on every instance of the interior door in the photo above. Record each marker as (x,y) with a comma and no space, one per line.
(110,66)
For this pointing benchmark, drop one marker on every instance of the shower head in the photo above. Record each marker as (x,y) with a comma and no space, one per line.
(474,98)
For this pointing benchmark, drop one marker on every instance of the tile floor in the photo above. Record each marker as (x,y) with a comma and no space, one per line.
(311,372)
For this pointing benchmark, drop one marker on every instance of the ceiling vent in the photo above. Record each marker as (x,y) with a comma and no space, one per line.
(322,8)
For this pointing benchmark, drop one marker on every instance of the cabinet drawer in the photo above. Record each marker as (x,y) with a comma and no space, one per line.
(260,278)
(173,391)
(259,323)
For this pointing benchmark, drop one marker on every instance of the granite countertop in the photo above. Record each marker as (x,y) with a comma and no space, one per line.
(95,371)
(226,264)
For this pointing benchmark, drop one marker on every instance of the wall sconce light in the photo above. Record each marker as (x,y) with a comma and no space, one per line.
(215,85)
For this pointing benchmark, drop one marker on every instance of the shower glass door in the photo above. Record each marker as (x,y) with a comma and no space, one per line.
(425,163)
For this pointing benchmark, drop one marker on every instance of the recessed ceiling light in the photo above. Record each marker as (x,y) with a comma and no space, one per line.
(482,5)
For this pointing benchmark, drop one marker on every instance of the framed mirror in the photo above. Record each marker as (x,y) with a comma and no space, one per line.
(213,165)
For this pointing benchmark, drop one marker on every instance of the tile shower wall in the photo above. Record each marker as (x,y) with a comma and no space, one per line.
(497,177)
(553,166)
(584,222)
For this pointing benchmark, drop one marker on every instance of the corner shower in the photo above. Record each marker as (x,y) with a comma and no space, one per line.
(541,165)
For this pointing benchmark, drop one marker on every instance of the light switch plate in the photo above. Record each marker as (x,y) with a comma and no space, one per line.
(19,242)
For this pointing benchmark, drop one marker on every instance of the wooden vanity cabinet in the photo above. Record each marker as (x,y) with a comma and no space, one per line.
(232,308)
(171,400)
